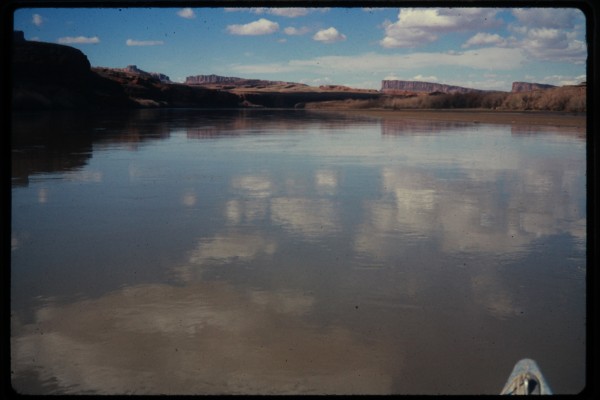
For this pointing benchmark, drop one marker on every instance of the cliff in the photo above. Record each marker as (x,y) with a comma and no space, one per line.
(44,62)
(53,76)
(391,86)
(147,90)
(133,69)
(232,81)
(211,79)
(518,87)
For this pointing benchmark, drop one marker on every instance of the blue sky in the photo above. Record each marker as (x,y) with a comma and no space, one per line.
(485,48)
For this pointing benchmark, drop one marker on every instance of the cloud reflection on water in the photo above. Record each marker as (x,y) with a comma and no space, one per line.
(326,181)
(468,214)
(202,338)
(222,249)
(310,217)
(413,204)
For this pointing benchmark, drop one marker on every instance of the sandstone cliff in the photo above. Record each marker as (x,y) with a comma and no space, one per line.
(148,91)
(232,81)
(392,86)
(133,69)
(46,62)
(209,79)
(518,87)
(53,76)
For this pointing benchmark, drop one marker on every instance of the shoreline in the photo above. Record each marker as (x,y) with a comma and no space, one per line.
(472,115)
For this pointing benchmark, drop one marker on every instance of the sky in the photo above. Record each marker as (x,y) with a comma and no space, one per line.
(483,48)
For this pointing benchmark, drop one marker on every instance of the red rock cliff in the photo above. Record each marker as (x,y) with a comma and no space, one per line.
(418,86)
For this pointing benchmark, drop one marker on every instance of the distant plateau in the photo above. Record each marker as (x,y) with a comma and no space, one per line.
(53,76)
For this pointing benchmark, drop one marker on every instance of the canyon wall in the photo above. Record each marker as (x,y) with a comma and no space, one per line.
(391,86)
(54,76)
(231,81)
(133,69)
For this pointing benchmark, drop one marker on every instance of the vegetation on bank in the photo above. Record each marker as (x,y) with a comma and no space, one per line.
(565,99)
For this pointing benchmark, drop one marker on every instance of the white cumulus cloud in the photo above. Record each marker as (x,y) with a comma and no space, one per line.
(417,26)
(397,36)
(329,35)
(483,38)
(448,19)
(292,31)
(37,20)
(261,27)
(186,13)
(555,34)
(545,34)
(547,17)
(486,59)
(553,44)
(78,40)
(132,42)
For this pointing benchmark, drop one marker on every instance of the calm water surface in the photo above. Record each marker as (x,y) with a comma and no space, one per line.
(196,252)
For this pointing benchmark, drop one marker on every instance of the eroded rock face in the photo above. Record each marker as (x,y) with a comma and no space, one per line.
(232,81)
(418,86)
(133,69)
(48,62)
(211,79)
(54,76)
(148,91)
(518,87)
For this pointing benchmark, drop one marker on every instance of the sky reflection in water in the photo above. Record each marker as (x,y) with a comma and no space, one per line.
(290,252)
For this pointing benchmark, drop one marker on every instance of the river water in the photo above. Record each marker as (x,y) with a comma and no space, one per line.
(263,251)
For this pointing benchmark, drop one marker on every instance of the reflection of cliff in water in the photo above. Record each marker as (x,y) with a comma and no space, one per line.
(58,142)
(44,143)
(419,127)
(64,141)
(202,124)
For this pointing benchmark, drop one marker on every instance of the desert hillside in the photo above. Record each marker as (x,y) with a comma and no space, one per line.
(53,76)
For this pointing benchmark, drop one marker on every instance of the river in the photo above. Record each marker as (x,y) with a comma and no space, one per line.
(280,252)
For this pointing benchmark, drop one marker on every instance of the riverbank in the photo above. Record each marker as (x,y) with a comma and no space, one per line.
(473,115)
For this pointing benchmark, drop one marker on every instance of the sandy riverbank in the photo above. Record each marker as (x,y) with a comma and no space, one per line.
(480,116)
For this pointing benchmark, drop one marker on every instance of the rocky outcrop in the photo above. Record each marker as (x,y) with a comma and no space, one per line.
(54,76)
(147,91)
(133,69)
(518,87)
(392,86)
(342,88)
(232,81)
(211,79)
(51,76)
(48,62)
